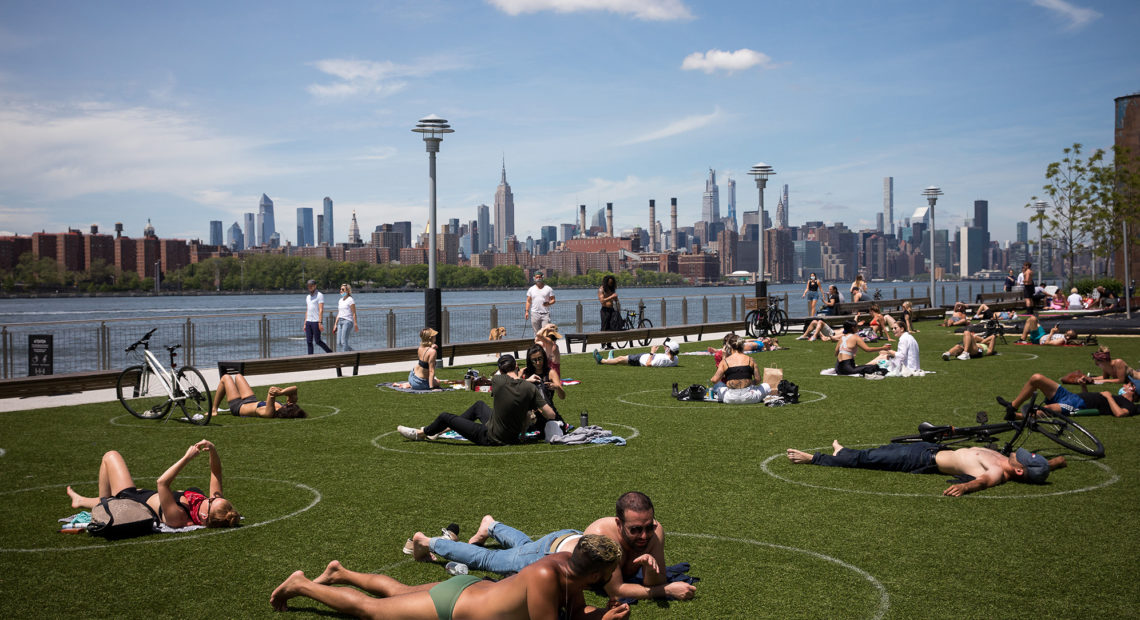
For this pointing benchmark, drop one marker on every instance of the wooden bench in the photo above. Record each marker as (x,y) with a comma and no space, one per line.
(921,308)
(48,385)
(998,296)
(684,331)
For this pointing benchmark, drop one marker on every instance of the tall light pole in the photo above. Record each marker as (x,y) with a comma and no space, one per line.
(1040,207)
(761,172)
(432,127)
(932,193)
(157,264)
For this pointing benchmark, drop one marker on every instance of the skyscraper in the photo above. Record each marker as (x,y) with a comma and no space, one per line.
(504,211)
(783,221)
(483,216)
(982,215)
(267,226)
(405,229)
(731,200)
(328,222)
(305,236)
(215,232)
(710,201)
(889,205)
(235,239)
(251,238)
(1023,232)
(353,230)
(320,228)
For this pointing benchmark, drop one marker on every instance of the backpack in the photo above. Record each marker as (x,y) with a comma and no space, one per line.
(116,517)
(695,391)
(789,391)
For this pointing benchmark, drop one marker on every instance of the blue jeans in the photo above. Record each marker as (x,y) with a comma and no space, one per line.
(915,458)
(343,330)
(519,552)
(313,333)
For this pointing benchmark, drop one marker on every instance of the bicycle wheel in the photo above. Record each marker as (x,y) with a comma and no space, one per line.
(644,324)
(141,394)
(196,405)
(752,325)
(1063,430)
(777,322)
(621,344)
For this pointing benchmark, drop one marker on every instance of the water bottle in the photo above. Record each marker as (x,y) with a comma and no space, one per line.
(456,568)
(584,419)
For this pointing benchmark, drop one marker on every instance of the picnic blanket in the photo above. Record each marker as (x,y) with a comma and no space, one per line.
(445,386)
(82,519)
(903,372)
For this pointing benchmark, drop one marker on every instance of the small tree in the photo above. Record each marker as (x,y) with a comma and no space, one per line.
(1114,200)
(1068,187)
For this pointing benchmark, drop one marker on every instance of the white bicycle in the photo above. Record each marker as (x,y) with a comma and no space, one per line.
(149,390)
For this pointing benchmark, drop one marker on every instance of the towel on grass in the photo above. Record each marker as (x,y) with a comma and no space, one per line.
(588,434)
(404,386)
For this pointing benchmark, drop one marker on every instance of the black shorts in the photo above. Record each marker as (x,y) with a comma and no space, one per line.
(235,405)
(1028,292)
(136,494)
(634,360)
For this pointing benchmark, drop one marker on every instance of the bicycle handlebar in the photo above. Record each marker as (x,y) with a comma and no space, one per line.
(144,341)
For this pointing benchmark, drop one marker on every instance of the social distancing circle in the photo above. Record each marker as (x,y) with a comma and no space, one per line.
(223,419)
(1010,490)
(37,531)
(690,404)
(455,448)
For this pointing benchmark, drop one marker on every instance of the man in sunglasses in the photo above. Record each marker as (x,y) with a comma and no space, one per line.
(639,535)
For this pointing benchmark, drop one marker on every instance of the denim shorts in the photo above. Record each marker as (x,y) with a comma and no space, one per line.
(416,382)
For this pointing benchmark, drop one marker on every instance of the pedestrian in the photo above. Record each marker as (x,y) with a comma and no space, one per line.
(539,298)
(314,310)
(345,318)
(607,296)
(811,292)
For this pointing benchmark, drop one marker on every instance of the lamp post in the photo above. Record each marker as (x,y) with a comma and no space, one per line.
(432,127)
(1040,207)
(761,172)
(157,264)
(932,193)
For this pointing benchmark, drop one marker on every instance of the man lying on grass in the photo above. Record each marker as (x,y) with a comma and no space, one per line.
(653,358)
(985,467)
(1059,400)
(641,537)
(540,590)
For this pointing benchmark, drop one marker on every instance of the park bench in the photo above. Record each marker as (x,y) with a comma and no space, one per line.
(921,308)
(48,385)
(683,331)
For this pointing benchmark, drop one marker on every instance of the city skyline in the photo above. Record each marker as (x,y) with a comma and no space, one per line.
(119,126)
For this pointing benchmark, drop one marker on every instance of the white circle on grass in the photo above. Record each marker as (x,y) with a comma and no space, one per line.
(332,411)
(496,451)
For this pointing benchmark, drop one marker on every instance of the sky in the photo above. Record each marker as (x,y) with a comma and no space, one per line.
(183,113)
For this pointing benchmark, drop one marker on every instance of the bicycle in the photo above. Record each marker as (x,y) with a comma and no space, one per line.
(1056,426)
(770,321)
(628,323)
(149,390)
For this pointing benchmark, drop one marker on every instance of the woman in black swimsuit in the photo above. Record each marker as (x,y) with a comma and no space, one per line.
(811,291)
(174,508)
(242,401)
(422,376)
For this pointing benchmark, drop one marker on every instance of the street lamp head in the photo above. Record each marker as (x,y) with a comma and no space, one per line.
(761,171)
(1040,206)
(431,125)
(932,193)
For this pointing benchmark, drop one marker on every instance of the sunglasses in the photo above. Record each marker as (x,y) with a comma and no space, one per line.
(640,529)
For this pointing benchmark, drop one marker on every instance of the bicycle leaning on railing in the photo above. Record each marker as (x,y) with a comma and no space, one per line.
(149,390)
(770,321)
(635,320)
(1056,426)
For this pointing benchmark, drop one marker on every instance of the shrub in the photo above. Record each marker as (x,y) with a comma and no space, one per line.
(1086,285)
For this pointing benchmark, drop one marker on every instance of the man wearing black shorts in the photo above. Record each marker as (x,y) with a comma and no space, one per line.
(1060,400)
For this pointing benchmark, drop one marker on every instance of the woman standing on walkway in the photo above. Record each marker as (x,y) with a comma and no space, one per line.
(811,292)
(345,318)
(607,296)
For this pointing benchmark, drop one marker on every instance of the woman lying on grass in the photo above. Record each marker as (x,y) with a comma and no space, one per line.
(174,508)
(242,401)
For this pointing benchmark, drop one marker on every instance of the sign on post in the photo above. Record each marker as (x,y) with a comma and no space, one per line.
(39,354)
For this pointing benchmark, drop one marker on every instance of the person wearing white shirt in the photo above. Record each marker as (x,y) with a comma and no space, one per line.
(539,298)
(1075,301)
(314,310)
(906,355)
(345,318)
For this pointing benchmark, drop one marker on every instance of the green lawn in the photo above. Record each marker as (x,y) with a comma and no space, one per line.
(767,539)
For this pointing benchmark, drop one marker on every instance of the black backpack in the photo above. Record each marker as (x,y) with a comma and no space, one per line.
(789,391)
(116,517)
(695,391)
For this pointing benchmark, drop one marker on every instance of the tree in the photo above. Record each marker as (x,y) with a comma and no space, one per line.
(1068,187)
(1114,200)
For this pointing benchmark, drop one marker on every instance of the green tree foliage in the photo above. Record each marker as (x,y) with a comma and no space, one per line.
(1114,200)
(1068,186)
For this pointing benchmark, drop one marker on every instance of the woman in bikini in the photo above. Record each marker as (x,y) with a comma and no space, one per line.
(174,508)
(422,375)
(737,379)
(243,402)
(548,337)
(858,288)
(845,352)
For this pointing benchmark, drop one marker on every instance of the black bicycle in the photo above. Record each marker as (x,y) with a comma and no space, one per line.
(635,320)
(770,321)
(1056,426)
(149,390)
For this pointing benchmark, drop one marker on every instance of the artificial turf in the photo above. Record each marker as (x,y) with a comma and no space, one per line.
(767,538)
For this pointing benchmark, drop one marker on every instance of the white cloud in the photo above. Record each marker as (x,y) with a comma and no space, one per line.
(1075,15)
(689,123)
(650,10)
(370,77)
(718,60)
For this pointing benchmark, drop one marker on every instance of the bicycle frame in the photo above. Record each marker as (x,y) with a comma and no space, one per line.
(154,367)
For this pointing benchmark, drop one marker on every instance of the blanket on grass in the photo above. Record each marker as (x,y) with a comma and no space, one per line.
(902,372)
(82,519)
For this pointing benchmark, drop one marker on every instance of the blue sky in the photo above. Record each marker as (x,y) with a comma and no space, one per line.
(188,112)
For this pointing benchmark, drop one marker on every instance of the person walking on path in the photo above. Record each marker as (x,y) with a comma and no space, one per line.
(811,292)
(345,318)
(607,296)
(314,310)
(539,298)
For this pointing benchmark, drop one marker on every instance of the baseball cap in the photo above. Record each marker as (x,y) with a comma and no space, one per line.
(673,346)
(1036,466)
(310,282)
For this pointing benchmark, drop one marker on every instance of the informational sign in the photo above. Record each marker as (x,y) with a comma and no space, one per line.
(40,354)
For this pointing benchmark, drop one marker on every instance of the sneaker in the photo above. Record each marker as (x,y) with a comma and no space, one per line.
(413,434)
(597,356)
(803,337)
(964,356)
(874,376)
(611,355)
(451,532)
(946,357)
(676,392)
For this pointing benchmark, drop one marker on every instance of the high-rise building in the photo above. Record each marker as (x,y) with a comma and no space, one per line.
(972,245)
(783,220)
(267,225)
(327,237)
(235,239)
(879,222)
(981,215)
(405,229)
(889,205)
(710,200)
(730,185)
(354,231)
(483,216)
(568,231)
(781,215)
(251,238)
(504,211)
(549,236)
(215,232)
(305,236)
(320,229)
(1023,232)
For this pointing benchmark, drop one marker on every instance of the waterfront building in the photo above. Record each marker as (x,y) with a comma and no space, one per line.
(1127,136)
(354,231)
(327,222)
(1023,232)
(483,216)
(806,258)
(504,211)
(215,232)
(251,236)
(710,200)
(266,226)
(779,254)
(305,232)
(888,225)
(235,238)
(730,194)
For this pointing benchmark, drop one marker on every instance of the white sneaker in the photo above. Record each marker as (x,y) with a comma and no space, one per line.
(964,356)
(409,433)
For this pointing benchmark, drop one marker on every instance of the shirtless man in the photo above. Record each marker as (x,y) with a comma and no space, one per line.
(988,468)
(538,591)
(634,528)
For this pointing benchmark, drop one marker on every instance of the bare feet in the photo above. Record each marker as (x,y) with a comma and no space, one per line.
(798,457)
(76,499)
(835,446)
(484,531)
(287,590)
(421,550)
(331,575)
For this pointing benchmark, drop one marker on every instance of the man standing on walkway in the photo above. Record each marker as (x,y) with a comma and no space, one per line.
(314,310)
(539,298)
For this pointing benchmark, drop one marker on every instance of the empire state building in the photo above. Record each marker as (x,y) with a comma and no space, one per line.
(504,212)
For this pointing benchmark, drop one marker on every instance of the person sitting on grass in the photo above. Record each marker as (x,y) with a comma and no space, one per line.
(653,358)
(174,508)
(984,467)
(422,376)
(514,399)
(242,401)
(737,379)
(845,352)
(1060,400)
(905,359)
(640,536)
(973,346)
(957,317)
(1033,333)
(883,324)
(552,584)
